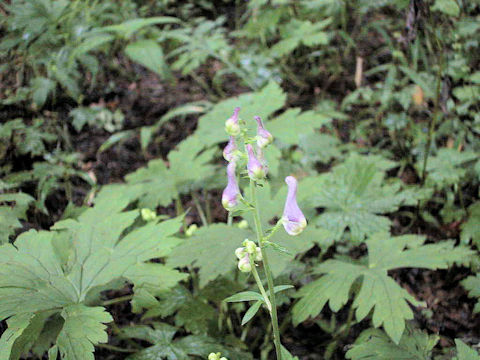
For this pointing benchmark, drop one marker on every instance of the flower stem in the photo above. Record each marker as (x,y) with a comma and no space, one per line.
(260,286)
(268,272)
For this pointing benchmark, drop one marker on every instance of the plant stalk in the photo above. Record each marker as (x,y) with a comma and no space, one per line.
(268,272)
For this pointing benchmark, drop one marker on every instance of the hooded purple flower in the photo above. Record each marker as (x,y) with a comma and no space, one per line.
(230,149)
(256,171)
(294,221)
(231,125)
(231,193)
(263,136)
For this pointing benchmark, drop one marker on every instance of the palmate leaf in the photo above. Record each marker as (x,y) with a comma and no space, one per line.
(211,249)
(298,32)
(13,207)
(472,284)
(375,344)
(166,348)
(378,291)
(353,195)
(58,270)
(158,184)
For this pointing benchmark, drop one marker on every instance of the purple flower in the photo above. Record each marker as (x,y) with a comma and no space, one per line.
(231,193)
(256,171)
(230,149)
(263,136)
(294,221)
(231,125)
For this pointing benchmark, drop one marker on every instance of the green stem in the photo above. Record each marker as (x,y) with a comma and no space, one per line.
(200,211)
(268,272)
(260,285)
(230,218)
(117,300)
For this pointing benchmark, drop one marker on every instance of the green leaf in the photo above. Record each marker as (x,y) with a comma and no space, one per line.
(472,284)
(263,103)
(252,310)
(149,54)
(245,296)
(292,124)
(16,326)
(211,249)
(13,207)
(189,169)
(448,7)
(447,167)
(464,352)
(83,328)
(378,291)
(470,229)
(375,344)
(129,27)
(353,195)
(114,139)
(286,354)
(298,32)
(166,347)
(41,88)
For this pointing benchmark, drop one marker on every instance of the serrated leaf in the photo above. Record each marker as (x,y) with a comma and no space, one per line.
(211,249)
(471,228)
(375,344)
(378,291)
(16,326)
(354,195)
(464,352)
(472,285)
(83,327)
(129,27)
(13,207)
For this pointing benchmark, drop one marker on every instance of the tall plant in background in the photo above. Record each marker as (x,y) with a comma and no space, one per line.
(251,254)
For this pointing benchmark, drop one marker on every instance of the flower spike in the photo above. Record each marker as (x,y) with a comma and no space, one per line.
(294,221)
(256,171)
(231,125)
(263,136)
(231,193)
(230,150)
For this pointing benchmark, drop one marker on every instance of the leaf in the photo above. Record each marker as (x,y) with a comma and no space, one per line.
(252,310)
(83,327)
(16,326)
(472,285)
(92,43)
(211,249)
(166,347)
(149,54)
(41,88)
(448,7)
(378,291)
(129,27)
(263,103)
(447,167)
(60,269)
(375,344)
(13,207)
(286,354)
(292,124)
(244,296)
(464,352)
(114,139)
(189,168)
(353,195)
(298,32)
(470,229)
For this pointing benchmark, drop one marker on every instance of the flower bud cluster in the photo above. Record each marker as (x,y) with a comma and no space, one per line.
(248,255)
(216,356)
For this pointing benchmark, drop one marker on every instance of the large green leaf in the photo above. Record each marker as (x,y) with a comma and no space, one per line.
(149,54)
(378,291)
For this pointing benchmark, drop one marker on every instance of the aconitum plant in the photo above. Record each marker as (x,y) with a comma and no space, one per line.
(252,254)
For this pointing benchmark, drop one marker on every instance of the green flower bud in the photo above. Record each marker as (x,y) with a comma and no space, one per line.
(243,224)
(214,356)
(258,254)
(240,253)
(148,215)
(191,229)
(250,246)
